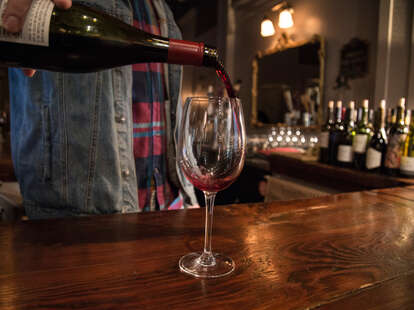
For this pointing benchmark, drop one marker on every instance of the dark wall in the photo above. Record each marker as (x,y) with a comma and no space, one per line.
(336,21)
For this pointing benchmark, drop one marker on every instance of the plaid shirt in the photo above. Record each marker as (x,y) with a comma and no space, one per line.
(148,109)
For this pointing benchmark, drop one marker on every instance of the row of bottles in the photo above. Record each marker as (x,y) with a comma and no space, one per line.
(380,141)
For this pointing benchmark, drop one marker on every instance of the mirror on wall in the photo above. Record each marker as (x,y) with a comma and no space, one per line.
(288,84)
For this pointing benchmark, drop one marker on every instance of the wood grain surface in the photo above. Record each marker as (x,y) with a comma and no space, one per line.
(347,251)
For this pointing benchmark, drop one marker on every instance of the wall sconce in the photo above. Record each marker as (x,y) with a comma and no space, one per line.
(285,20)
(267,29)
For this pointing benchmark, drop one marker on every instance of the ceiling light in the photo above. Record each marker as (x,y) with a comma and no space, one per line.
(267,29)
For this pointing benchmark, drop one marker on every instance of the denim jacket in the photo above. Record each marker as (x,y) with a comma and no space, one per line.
(72,151)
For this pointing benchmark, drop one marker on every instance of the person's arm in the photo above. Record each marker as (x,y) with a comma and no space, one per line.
(15,14)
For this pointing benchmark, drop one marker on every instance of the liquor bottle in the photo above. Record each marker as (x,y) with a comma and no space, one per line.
(345,154)
(362,135)
(396,138)
(324,136)
(83,39)
(407,159)
(335,133)
(377,146)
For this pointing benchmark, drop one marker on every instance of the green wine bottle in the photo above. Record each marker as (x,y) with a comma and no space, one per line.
(392,120)
(378,143)
(407,118)
(345,154)
(335,134)
(362,135)
(83,39)
(325,132)
(407,159)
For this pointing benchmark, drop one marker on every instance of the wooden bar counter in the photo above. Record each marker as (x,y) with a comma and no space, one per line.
(346,251)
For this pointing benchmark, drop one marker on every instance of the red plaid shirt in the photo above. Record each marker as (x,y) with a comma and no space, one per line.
(148,96)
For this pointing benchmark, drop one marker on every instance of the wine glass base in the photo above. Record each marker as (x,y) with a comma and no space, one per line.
(190,264)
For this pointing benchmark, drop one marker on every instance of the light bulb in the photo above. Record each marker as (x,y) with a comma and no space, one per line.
(285,19)
(267,28)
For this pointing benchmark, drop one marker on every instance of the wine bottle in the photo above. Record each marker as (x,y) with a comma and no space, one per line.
(345,154)
(378,144)
(398,133)
(335,133)
(407,159)
(393,119)
(362,134)
(371,119)
(359,114)
(388,122)
(407,118)
(324,136)
(83,39)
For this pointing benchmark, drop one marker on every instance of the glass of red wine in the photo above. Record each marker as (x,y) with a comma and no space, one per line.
(211,152)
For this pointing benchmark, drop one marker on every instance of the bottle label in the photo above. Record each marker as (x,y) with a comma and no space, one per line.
(345,153)
(373,158)
(324,139)
(407,165)
(393,155)
(359,144)
(36,26)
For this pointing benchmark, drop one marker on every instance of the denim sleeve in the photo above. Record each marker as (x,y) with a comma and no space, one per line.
(72,138)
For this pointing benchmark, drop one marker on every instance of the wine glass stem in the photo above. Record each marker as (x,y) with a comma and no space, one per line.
(207,257)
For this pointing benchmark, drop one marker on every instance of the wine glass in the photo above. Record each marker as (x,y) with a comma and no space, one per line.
(211,152)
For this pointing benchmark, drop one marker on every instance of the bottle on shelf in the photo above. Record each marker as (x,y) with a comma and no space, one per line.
(210,91)
(377,146)
(335,133)
(396,138)
(407,158)
(371,118)
(388,122)
(359,114)
(83,39)
(407,118)
(392,120)
(345,154)
(324,136)
(362,135)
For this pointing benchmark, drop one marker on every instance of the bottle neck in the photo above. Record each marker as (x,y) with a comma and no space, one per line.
(349,118)
(330,118)
(400,117)
(407,120)
(393,117)
(338,114)
(380,120)
(191,53)
(389,117)
(210,57)
(364,117)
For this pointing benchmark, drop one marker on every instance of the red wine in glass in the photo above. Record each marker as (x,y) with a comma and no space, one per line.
(210,183)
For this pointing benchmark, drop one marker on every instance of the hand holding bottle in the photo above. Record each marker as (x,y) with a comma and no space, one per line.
(15,14)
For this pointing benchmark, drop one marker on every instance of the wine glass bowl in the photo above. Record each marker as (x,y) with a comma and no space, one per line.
(211,152)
